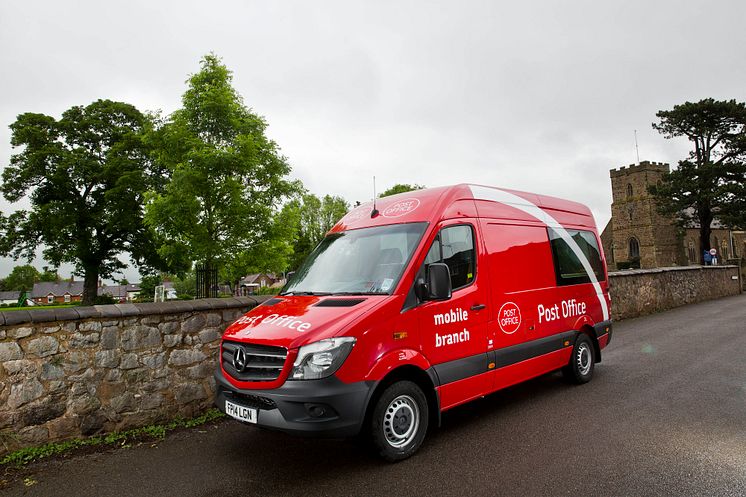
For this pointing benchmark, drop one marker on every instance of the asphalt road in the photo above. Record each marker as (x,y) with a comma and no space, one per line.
(665,415)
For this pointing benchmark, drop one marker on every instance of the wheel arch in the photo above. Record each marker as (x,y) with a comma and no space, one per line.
(426,381)
(588,330)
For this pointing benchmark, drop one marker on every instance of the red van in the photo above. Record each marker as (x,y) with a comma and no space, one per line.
(427,301)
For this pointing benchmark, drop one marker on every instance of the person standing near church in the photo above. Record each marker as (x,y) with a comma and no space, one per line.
(707,258)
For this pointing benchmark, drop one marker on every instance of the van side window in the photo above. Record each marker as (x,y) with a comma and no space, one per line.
(568,268)
(455,246)
(433,254)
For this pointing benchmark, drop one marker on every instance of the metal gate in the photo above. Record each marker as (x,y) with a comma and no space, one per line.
(207,281)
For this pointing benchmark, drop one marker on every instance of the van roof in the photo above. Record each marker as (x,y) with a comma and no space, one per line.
(434,204)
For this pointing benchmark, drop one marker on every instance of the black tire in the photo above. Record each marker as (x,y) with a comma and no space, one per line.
(582,361)
(398,423)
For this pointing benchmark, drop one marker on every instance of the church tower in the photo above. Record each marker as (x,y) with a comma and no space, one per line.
(641,237)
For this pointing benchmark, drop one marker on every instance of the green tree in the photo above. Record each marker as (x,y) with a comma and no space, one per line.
(711,182)
(147,287)
(85,176)
(273,254)
(22,278)
(227,178)
(314,217)
(124,281)
(400,188)
(186,285)
(49,275)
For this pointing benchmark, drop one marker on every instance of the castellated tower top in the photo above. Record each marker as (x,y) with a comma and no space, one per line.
(644,166)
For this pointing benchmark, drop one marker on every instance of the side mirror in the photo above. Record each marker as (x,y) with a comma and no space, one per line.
(438,281)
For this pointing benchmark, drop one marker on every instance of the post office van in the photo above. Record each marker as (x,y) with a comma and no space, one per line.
(415,305)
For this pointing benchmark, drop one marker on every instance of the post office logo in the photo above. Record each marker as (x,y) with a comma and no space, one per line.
(401,208)
(509,318)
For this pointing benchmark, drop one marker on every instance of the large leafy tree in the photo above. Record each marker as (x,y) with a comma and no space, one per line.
(227,178)
(400,188)
(313,217)
(273,254)
(85,175)
(21,278)
(711,182)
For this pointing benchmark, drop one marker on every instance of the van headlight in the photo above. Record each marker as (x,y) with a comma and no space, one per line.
(321,359)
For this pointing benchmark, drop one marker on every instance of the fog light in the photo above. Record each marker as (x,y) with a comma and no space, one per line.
(316,410)
(320,411)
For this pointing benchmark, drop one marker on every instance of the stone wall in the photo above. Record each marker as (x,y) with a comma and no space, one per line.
(78,371)
(645,291)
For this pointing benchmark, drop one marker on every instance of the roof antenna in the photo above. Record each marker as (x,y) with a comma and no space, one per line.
(374,212)
(637,149)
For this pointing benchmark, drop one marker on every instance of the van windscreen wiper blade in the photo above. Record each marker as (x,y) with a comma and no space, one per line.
(316,294)
(359,293)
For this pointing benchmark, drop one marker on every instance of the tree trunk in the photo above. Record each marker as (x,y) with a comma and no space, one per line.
(90,286)
(705,220)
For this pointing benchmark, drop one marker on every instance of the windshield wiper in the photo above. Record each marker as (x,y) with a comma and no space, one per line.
(316,294)
(359,293)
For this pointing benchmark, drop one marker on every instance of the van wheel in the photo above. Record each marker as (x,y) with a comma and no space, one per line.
(399,421)
(580,368)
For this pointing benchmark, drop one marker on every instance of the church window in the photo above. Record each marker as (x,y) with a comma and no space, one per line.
(629,190)
(692,252)
(634,248)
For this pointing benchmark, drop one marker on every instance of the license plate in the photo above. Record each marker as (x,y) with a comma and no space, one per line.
(241,413)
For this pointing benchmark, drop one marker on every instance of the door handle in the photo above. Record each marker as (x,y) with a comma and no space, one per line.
(478,307)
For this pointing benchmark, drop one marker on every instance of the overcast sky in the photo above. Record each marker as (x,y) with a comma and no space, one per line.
(538,96)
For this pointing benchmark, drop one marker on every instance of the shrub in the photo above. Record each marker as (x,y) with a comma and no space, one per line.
(104,299)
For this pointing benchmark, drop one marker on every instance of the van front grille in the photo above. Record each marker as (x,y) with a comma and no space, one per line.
(255,401)
(260,362)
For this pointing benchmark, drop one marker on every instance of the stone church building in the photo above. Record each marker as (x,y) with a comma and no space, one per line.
(638,236)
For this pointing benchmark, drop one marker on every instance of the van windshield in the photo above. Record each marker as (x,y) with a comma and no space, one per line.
(357,262)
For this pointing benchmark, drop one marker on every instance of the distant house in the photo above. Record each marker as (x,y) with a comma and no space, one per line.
(253,282)
(63,292)
(67,292)
(120,293)
(9,297)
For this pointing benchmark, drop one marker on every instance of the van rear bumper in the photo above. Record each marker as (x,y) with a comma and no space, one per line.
(323,408)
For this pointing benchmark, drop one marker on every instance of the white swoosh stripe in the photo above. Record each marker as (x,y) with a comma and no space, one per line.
(497,195)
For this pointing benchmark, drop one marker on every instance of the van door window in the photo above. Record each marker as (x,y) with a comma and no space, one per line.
(455,246)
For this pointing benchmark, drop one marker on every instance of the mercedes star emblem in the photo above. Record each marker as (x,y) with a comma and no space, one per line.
(239,359)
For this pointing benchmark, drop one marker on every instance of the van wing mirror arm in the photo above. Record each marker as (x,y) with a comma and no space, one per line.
(420,289)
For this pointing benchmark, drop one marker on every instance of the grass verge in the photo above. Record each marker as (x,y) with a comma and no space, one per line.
(22,457)
(40,306)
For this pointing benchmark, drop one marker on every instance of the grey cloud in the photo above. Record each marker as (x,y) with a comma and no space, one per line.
(540,96)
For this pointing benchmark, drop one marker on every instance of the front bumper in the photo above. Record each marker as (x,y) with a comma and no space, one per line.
(324,408)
